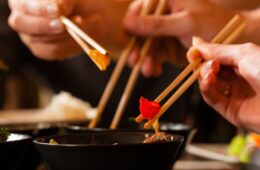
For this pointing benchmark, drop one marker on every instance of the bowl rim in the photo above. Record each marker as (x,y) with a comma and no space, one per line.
(24,138)
(179,138)
(178,128)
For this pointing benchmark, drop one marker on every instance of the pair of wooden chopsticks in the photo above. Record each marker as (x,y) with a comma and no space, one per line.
(146,9)
(97,53)
(135,72)
(227,35)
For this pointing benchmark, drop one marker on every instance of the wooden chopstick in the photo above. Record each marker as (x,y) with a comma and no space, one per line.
(227,30)
(85,47)
(231,31)
(96,53)
(73,27)
(135,72)
(81,43)
(147,6)
(234,23)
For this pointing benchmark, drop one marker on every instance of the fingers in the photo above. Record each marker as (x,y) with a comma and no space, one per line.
(151,68)
(134,56)
(225,54)
(46,8)
(169,25)
(193,55)
(135,7)
(55,49)
(214,98)
(38,17)
(208,74)
(29,24)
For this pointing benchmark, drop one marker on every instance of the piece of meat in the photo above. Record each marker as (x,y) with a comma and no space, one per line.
(158,138)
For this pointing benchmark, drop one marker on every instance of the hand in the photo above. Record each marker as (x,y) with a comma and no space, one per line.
(229,81)
(186,18)
(38,25)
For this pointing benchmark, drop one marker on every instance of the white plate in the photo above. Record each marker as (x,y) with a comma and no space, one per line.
(211,151)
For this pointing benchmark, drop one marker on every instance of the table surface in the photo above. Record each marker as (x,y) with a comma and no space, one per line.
(191,162)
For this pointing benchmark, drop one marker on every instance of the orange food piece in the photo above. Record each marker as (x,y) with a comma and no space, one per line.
(256,138)
(99,59)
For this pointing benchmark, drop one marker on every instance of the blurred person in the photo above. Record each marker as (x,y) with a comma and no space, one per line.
(184,19)
(47,39)
(78,75)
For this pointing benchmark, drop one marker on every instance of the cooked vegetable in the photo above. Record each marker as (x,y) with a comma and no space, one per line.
(53,142)
(99,59)
(148,108)
(3,134)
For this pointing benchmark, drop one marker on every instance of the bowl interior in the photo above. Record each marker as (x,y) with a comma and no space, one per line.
(101,138)
(171,128)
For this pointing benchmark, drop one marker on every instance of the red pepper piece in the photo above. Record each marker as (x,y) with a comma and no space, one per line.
(148,108)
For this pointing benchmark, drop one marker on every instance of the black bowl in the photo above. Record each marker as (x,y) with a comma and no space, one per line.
(107,150)
(12,151)
(31,159)
(171,128)
(177,129)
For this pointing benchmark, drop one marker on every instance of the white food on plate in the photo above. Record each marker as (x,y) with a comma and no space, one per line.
(65,103)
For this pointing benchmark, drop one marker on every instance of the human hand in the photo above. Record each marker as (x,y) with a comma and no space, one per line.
(229,81)
(37,22)
(184,19)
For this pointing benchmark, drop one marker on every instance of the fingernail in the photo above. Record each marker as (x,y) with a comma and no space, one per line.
(33,6)
(52,10)
(134,5)
(209,65)
(206,78)
(56,25)
(195,40)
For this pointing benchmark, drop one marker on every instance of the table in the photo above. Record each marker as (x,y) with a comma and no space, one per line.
(191,162)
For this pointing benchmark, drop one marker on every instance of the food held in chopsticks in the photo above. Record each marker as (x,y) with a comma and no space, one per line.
(227,35)
(147,6)
(160,9)
(148,109)
(99,59)
(97,53)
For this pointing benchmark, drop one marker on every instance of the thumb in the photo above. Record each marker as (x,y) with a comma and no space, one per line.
(225,54)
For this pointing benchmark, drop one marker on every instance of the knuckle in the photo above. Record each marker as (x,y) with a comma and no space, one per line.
(249,46)
(13,20)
